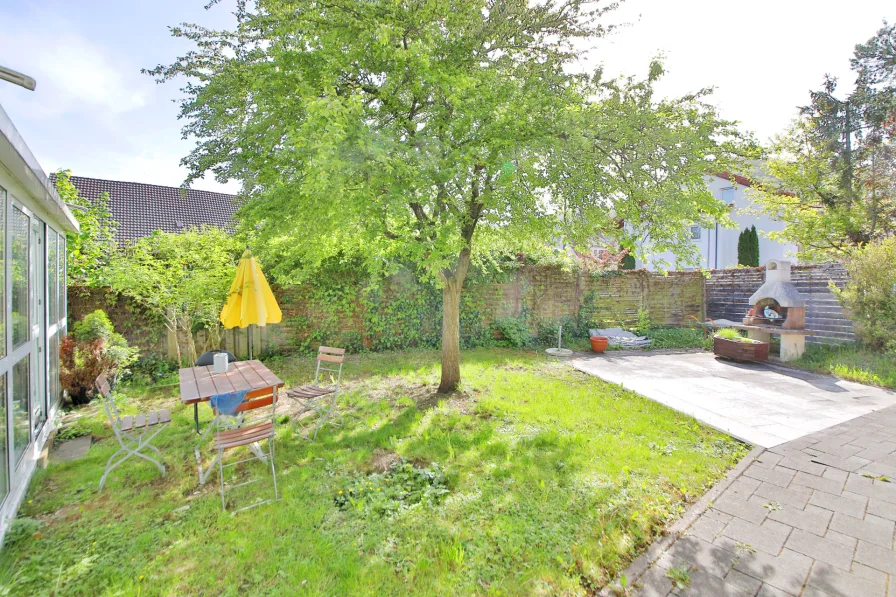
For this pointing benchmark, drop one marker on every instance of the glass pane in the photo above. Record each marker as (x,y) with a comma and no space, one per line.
(18,233)
(63,278)
(52,285)
(3,289)
(20,423)
(54,394)
(4,477)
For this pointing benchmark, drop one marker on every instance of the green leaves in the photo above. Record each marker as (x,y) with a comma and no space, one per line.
(90,249)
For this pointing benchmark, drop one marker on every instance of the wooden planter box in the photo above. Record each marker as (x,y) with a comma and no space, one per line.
(740,351)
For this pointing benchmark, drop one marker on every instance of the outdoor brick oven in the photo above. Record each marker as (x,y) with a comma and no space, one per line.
(780,297)
(780,309)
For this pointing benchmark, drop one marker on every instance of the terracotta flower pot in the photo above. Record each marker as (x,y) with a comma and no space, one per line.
(599,343)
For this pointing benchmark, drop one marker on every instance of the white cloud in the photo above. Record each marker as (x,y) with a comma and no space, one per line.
(73,73)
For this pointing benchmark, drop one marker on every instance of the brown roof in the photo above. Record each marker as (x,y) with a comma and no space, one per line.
(140,209)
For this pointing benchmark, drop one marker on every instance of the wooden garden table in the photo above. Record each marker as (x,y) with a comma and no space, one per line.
(199,384)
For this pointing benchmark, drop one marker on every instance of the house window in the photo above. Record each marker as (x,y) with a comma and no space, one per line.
(18,232)
(696,231)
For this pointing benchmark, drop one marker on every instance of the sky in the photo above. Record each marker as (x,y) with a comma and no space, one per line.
(93,111)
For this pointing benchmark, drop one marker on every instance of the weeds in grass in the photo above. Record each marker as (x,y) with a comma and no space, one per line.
(680,577)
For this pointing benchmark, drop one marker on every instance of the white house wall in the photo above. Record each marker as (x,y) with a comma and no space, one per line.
(718,248)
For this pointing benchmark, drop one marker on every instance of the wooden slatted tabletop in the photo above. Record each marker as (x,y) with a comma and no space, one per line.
(198,384)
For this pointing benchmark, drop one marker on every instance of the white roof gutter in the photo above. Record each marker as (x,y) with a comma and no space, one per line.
(18,159)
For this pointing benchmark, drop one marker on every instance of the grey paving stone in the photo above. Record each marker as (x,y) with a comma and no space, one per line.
(770,591)
(844,505)
(706,528)
(744,581)
(834,475)
(819,548)
(768,537)
(692,551)
(654,583)
(812,519)
(718,515)
(842,451)
(786,572)
(775,476)
(826,485)
(853,463)
(814,592)
(801,464)
(742,488)
(768,459)
(878,490)
(864,530)
(795,496)
(882,509)
(850,542)
(739,508)
(839,583)
(703,583)
(876,557)
(869,573)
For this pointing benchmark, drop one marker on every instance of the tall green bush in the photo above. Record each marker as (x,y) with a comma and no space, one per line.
(748,247)
(870,295)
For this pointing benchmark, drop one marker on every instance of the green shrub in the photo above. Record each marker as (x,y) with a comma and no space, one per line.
(515,331)
(94,326)
(870,295)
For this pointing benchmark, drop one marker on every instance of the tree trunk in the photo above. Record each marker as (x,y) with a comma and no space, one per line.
(453,282)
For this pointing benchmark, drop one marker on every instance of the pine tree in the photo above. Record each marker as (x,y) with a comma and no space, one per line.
(742,243)
(754,247)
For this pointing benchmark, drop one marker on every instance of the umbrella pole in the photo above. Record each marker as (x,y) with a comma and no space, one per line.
(250,341)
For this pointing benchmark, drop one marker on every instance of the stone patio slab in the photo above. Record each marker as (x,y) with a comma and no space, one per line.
(764,405)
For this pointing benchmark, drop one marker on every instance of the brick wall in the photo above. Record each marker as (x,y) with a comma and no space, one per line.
(541,293)
(728,293)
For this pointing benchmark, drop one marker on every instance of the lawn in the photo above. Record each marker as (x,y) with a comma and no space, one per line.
(536,480)
(852,362)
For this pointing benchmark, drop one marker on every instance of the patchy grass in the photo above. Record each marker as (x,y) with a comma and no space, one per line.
(679,338)
(535,479)
(855,363)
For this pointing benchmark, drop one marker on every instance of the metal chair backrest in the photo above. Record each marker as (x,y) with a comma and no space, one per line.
(327,355)
(238,417)
(207,359)
(104,389)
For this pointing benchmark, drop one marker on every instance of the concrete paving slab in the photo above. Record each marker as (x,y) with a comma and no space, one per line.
(765,405)
(72,449)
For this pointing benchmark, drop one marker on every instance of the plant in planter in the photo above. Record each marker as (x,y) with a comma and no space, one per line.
(730,344)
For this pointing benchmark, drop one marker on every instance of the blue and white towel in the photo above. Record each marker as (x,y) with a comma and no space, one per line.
(226,404)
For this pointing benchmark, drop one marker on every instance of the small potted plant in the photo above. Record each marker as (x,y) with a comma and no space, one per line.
(728,343)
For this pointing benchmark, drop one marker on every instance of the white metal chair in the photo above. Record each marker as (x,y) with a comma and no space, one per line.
(134,433)
(248,433)
(318,397)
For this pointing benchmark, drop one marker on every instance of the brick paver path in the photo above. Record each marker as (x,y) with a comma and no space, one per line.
(813,517)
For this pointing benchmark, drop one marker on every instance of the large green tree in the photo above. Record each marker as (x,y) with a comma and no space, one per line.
(836,165)
(436,132)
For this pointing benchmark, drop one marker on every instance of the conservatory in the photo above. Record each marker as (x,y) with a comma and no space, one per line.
(33,223)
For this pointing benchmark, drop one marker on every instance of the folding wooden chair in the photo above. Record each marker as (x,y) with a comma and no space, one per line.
(248,434)
(134,433)
(321,398)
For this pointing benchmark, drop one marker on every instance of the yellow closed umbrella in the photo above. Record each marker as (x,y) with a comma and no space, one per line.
(250,300)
